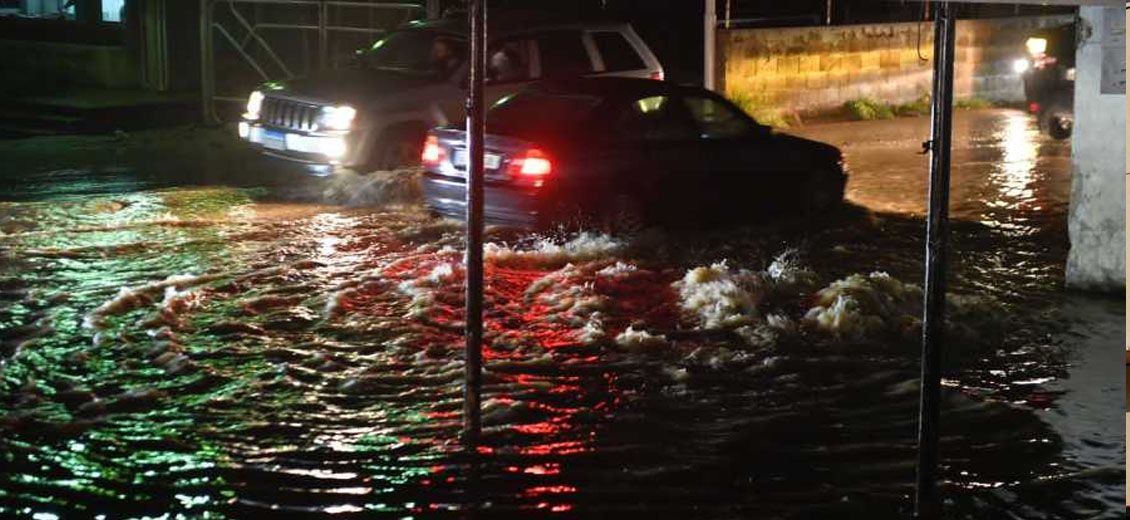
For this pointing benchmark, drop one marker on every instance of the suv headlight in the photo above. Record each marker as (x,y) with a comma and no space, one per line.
(337,118)
(254,104)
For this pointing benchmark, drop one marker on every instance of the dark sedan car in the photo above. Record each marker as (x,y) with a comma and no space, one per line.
(621,151)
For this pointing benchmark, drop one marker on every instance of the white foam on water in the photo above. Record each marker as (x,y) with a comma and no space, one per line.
(788,272)
(617,270)
(720,297)
(177,302)
(593,331)
(422,290)
(571,300)
(129,298)
(859,308)
(640,339)
(586,246)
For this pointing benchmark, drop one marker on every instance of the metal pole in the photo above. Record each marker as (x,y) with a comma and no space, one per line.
(927,503)
(323,36)
(207,78)
(709,39)
(476,129)
(432,9)
(828,13)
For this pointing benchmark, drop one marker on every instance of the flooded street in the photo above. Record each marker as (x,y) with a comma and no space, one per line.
(182,335)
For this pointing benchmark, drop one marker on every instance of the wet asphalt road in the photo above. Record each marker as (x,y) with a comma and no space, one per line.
(189,333)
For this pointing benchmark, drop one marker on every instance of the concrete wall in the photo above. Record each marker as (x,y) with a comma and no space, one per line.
(1097,223)
(55,63)
(814,69)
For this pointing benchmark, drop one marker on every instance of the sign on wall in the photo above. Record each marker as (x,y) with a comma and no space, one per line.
(1113,79)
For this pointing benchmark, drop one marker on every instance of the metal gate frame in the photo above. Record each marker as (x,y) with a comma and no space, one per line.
(209,27)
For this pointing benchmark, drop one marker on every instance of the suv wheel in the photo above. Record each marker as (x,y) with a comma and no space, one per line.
(401,149)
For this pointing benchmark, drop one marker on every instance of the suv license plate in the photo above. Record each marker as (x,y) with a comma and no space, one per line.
(274,140)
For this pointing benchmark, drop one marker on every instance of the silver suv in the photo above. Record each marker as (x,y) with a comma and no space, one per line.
(376,114)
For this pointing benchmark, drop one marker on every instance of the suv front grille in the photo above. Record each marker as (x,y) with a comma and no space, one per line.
(290,114)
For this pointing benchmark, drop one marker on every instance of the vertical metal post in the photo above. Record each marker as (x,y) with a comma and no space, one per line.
(323,36)
(927,501)
(709,43)
(828,12)
(207,76)
(476,129)
(728,14)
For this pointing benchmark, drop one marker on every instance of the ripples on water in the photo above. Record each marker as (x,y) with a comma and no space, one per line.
(207,353)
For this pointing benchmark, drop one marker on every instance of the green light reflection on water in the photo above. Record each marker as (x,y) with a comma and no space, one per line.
(166,449)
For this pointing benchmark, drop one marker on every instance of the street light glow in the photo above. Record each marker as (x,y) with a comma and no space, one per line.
(1036,46)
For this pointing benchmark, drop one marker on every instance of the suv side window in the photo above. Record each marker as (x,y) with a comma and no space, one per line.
(617,53)
(715,119)
(563,54)
(654,118)
(510,61)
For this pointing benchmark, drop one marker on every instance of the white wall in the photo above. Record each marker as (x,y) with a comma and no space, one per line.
(1097,223)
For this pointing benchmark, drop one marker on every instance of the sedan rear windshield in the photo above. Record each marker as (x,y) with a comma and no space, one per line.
(532,114)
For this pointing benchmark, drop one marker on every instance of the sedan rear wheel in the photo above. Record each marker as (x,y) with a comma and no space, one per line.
(400,150)
(824,192)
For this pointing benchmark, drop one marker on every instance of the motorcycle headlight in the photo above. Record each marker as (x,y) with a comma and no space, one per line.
(338,118)
(1036,46)
(254,104)
(1021,66)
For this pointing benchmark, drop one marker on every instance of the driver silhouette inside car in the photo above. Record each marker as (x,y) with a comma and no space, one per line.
(443,57)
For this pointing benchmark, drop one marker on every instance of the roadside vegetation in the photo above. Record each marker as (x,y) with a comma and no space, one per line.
(765,113)
(868,109)
(859,109)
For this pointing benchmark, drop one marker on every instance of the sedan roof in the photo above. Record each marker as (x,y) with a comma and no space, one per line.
(509,23)
(615,87)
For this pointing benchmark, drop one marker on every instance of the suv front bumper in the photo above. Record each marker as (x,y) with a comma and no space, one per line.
(322,152)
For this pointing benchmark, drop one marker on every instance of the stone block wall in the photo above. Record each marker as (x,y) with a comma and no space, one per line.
(816,69)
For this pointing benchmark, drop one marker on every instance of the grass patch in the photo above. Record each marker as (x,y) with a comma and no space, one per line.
(759,110)
(973,103)
(867,109)
(918,107)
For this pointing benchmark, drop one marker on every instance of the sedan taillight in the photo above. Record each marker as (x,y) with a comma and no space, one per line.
(533,164)
(433,153)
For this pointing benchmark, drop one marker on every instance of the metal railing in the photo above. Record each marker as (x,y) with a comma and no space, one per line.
(244,34)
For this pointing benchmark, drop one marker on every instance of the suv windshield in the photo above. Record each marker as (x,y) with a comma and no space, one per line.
(424,53)
(532,114)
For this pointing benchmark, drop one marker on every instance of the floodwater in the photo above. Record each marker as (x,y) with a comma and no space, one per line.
(183,339)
